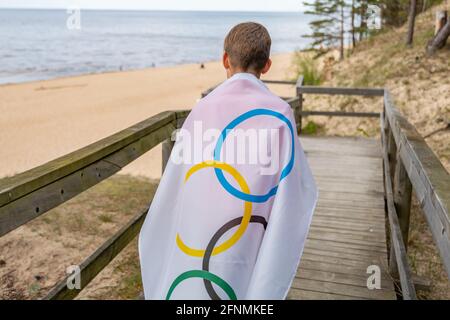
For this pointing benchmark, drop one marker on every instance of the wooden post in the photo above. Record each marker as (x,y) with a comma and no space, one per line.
(402,190)
(298,111)
(167,147)
(299,118)
(385,125)
(402,198)
(392,153)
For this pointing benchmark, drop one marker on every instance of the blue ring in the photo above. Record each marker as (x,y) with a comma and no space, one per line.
(219,173)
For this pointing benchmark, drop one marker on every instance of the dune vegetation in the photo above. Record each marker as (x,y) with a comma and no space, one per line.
(420,85)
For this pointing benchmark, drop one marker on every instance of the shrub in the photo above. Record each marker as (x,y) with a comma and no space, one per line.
(311,128)
(307,66)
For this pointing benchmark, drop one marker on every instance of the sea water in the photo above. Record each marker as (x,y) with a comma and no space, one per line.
(45,44)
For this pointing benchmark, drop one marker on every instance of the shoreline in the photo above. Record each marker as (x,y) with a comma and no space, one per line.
(43,120)
(106,72)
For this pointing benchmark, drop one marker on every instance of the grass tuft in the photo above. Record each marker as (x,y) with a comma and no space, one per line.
(311,128)
(308,67)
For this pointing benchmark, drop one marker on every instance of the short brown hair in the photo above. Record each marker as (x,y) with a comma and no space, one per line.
(248,46)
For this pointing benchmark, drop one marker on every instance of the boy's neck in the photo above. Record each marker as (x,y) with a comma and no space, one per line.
(232,73)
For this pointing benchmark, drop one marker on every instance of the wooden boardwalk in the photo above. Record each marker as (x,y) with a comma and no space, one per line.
(347,234)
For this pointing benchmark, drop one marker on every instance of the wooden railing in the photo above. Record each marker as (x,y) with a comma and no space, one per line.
(409,164)
(296,102)
(30,194)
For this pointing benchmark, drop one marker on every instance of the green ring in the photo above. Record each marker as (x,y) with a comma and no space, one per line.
(205,275)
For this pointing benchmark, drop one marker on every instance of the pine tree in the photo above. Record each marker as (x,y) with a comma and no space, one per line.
(328,30)
(411,22)
(361,12)
(353,26)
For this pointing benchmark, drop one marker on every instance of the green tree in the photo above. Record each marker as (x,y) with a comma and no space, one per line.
(328,29)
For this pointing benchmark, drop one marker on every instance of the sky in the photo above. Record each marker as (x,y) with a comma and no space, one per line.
(210,5)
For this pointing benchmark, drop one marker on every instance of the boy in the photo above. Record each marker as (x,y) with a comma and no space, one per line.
(229,220)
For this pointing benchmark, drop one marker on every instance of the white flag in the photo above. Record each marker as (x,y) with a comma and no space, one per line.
(232,212)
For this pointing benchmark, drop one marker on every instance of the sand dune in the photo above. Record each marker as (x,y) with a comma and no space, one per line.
(40,121)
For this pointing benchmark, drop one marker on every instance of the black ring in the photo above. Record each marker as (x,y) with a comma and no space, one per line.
(212,243)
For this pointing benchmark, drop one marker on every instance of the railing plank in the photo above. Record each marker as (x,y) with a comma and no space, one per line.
(280,82)
(56,182)
(12,188)
(285,82)
(341,114)
(366,92)
(402,265)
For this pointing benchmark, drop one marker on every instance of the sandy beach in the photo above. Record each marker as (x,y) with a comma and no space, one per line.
(40,121)
(43,120)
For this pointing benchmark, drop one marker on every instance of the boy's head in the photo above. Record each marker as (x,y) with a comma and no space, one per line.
(247,49)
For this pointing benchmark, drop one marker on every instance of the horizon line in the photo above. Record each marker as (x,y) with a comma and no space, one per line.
(136,9)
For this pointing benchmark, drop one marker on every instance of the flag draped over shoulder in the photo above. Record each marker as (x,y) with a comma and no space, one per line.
(225,223)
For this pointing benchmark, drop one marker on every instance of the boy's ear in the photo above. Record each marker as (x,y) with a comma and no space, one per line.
(226,61)
(267,67)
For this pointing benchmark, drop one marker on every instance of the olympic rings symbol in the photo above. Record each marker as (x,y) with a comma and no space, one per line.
(246,217)
(242,222)
(246,196)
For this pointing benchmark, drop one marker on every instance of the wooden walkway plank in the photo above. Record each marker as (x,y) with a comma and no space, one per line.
(338,288)
(348,233)
(345,214)
(335,268)
(346,245)
(329,246)
(343,254)
(340,278)
(353,225)
(344,261)
(297,294)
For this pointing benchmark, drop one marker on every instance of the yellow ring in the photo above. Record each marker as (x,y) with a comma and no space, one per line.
(245,219)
